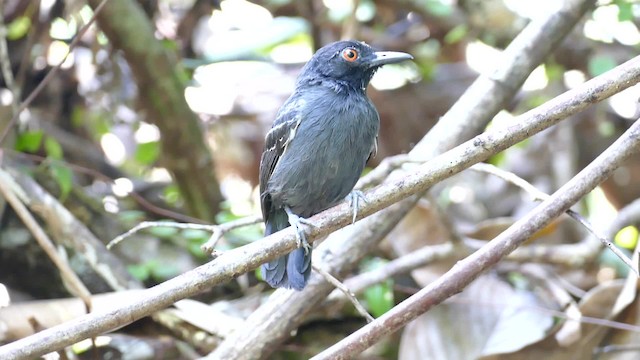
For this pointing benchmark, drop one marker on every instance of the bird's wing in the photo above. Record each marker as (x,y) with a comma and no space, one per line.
(281,134)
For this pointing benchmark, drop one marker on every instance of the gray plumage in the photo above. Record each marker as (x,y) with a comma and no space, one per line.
(318,146)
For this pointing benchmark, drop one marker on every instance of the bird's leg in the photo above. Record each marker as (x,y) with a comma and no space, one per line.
(354,198)
(297,221)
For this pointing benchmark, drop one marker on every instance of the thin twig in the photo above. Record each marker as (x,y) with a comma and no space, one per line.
(401,265)
(511,178)
(340,286)
(561,314)
(51,72)
(541,196)
(149,224)
(218,231)
(628,215)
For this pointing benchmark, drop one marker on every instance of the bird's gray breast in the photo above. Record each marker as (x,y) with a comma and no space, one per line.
(327,154)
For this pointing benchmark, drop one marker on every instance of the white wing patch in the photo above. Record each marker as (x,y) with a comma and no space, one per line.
(292,134)
(292,125)
(285,138)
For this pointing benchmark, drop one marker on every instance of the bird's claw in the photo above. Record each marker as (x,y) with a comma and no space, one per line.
(297,222)
(354,198)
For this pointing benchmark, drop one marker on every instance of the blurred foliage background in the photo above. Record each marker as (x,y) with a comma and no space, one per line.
(159,113)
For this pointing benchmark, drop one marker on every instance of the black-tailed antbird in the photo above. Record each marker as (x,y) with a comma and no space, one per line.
(317,148)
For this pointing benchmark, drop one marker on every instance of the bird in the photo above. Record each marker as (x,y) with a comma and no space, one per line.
(317,148)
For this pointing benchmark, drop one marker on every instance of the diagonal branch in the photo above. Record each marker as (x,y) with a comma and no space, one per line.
(539,196)
(468,269)
(492,91)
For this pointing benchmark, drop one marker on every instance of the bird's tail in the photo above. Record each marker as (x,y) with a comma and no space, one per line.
(290,271)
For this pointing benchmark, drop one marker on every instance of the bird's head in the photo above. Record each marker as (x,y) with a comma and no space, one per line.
(347,64)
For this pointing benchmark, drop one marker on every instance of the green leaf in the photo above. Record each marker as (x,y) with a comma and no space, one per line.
(100,123)
(63,177)
(78,116)
(601,64)
(53,148)
(18,28)
(195,249)
(147,153)
(153,269)
(518,280)
(456,34)
(170,45)
(258,273)
(439,8)
(139,271)
(29,141)
(164,272)
(625,10)
(172,194)
(498,159)
(537,100)
(554,71)
(627,237)
(380,298)
(226,215)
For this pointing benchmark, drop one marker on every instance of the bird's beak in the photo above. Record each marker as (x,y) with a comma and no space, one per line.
(388,57)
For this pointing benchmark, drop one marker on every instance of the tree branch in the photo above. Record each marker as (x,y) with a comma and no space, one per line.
(345,292)
(401,265)
(539,196)
(468,269)
(492,91)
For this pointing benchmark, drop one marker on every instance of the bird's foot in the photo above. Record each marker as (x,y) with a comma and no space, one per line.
(353,199)
(297,222)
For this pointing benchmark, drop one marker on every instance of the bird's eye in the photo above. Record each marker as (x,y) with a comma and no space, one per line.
(350,54)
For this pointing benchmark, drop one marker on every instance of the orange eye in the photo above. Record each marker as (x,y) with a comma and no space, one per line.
(350,54)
